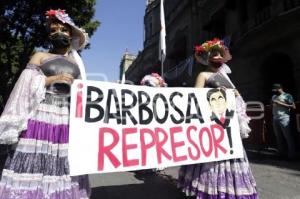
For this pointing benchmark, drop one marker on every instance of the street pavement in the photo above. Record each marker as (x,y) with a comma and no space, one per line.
(276,179)
(134,185)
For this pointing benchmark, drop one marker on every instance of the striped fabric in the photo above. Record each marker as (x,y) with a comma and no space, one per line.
(229,179)
(38,169)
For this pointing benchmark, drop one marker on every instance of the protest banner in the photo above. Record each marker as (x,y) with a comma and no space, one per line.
(118,127)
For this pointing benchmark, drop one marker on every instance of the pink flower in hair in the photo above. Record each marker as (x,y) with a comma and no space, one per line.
(53,13)
(154,80)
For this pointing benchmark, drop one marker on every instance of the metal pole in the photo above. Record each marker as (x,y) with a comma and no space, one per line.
(162,64)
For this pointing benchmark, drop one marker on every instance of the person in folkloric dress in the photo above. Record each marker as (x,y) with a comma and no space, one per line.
(36,119)
(221,179)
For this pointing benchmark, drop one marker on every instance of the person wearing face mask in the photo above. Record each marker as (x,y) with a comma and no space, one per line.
(228,178)
(282,103)
(36,119)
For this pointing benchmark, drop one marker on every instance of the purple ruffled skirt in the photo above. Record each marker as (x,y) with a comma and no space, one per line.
(229,179)
(38,168)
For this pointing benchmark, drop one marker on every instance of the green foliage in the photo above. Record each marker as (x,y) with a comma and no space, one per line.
(22,29)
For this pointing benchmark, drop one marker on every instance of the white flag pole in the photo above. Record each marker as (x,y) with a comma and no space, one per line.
(123,80)
(162,38)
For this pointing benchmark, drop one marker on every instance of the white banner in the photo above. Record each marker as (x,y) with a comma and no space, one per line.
(118,127)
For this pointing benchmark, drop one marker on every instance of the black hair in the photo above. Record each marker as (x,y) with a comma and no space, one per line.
(54,21)
(215,90)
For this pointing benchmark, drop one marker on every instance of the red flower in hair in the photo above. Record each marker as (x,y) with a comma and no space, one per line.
(215,40)
(53,13)
(213,45)
(199,49)
(210,43)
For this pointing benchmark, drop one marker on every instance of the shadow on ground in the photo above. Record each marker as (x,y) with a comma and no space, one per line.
(270,158)
(155,186)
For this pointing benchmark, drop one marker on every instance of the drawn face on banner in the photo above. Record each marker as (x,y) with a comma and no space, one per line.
(217,100)
(126,127)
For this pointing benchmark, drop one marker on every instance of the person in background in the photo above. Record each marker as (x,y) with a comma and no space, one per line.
(282,103)
(153,80)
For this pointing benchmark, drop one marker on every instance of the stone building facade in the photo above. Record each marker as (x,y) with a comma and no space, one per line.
(264,42)
(126,61)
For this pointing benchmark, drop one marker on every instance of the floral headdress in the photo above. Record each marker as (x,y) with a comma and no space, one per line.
(203,51)
(79,36)
(152,79)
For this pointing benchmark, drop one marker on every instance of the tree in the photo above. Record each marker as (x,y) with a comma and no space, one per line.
(23,29)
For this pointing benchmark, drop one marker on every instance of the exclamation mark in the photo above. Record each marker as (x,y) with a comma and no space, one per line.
(228,129)
(79,101)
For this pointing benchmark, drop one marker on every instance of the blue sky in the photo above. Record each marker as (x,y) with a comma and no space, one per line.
(121,27)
